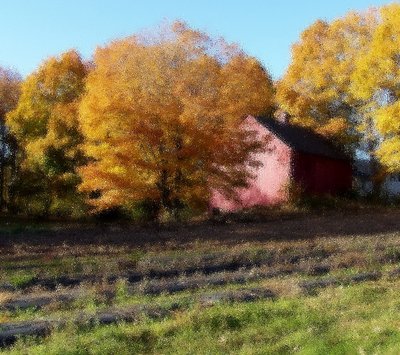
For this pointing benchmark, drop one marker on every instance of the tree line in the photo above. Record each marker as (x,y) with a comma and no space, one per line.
(152,124)
(343,82)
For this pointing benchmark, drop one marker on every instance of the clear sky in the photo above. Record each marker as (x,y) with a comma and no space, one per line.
(31,30)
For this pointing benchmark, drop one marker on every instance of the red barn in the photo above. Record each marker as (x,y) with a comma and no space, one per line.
(294,156)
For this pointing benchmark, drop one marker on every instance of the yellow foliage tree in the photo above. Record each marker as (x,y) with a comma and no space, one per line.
(375,83)
(161,119)
(315,88)
(45,123)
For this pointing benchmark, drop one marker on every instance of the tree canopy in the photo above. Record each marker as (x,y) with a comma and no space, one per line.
(375,83)
(161,118)
(155,118)
(10,82)
(315,90)
(45,123)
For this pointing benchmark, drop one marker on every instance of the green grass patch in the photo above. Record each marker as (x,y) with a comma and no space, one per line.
(344,320)
(21,279)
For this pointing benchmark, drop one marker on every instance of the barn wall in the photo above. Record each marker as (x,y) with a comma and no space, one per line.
(272,178)
(319,175)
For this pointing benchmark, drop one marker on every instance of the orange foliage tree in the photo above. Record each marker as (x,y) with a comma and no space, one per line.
(161,119)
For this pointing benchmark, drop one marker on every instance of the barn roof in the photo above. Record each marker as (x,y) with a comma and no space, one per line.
(302,139)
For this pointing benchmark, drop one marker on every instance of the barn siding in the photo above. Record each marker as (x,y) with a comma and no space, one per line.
(281,165)
(318,175)
(272,178)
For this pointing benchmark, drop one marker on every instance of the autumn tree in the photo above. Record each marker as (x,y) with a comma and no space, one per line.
(161,119)
(9,93)
(315,88)
(375,83)
(46,126)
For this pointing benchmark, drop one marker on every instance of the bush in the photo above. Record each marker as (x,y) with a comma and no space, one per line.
(143,211)
(111,214)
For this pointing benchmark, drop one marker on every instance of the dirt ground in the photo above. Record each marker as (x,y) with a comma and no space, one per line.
(294,227)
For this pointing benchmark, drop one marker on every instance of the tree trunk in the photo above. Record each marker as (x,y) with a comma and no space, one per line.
(13,171)
(378,178)
(377,173)
(178,178)
(165,196)
(171,182)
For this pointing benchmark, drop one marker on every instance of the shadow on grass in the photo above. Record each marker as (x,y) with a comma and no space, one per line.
(284,226)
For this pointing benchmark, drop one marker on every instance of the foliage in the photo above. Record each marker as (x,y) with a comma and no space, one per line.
(45,123)
(315,88)
(9,90)
(9,93)
(155,126)
(375,84)
(343,82)
(161,119)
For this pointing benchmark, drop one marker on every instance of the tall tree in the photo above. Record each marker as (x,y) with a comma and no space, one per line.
(376,84)
(46,125)
(315,88)
(9,93)
(161,118)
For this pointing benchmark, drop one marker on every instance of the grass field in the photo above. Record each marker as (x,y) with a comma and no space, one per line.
(309,284)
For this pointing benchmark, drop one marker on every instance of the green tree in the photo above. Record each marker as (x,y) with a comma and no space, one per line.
(45,124)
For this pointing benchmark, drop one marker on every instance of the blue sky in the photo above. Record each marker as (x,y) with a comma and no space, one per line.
(32,30)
